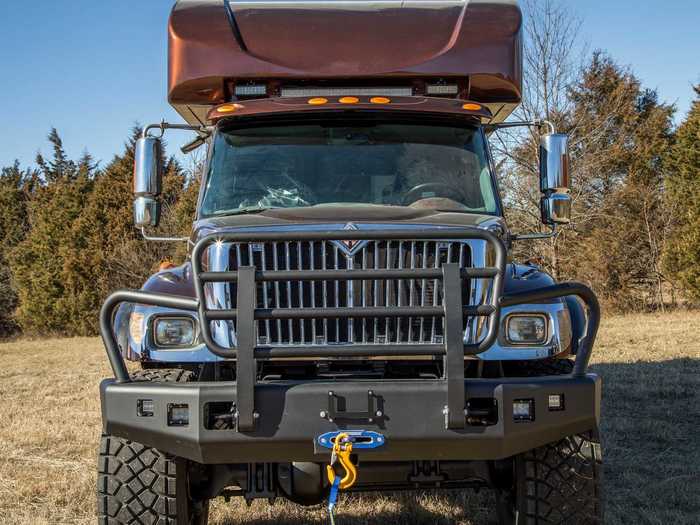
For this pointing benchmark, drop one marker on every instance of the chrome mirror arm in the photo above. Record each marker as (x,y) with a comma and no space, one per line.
(202,130)
(522,124)
(162,239)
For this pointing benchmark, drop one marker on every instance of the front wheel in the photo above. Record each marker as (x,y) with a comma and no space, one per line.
(559,483)
(137,484)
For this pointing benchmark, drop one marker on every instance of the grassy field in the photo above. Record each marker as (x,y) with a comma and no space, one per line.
(650,366)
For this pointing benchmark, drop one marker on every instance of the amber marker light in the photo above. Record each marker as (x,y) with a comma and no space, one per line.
(228,108)
(379,100)
(472,107)
(348,100)
(317,101)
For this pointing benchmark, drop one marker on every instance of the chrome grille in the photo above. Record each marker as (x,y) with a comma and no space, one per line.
(326,255)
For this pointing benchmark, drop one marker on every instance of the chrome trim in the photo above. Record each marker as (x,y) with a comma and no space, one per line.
(556,209)
(146,351)
(554,163)
(558,330)
(220,294)
(147,167)
(558,342)
(148,237)
(146,211)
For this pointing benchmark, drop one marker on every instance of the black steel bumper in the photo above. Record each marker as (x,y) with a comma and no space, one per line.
(413,428)
(420,419)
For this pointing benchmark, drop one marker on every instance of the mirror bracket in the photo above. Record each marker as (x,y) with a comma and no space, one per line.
(162,239)
(535,236)
(202,130)
(522,124)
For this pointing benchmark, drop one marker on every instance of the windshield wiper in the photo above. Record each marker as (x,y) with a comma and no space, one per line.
(242,211)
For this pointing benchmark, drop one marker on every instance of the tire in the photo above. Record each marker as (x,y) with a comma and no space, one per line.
(140,485)
(559,483)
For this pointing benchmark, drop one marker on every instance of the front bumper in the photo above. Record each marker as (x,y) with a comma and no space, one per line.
(412,420)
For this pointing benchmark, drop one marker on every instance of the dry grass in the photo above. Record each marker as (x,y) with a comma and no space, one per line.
(650,365)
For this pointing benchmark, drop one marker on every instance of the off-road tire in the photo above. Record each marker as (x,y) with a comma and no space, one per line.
(140,485)
(559,483)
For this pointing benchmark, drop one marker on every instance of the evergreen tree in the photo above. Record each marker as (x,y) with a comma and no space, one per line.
(38,261)
(682,254)
(106,252)
(15,185)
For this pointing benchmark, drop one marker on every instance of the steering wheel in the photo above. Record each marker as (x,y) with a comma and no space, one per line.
(433,189)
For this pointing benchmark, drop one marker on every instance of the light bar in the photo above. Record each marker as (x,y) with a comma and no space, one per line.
(441,89)
(250,90)
(288,92)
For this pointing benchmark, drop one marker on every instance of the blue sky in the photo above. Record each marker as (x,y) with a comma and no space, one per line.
(93,68)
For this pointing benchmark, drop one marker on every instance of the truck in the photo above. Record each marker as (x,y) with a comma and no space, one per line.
(350,316)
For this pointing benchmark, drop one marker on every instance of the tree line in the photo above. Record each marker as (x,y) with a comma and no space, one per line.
(67,239)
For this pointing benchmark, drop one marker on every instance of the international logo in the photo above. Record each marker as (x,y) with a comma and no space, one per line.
(350,247)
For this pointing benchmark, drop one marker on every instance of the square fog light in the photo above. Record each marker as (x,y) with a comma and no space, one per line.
(524,410)
(555,402)
(145,408)
(178,415)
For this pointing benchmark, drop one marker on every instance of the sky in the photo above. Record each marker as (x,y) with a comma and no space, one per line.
(94,68)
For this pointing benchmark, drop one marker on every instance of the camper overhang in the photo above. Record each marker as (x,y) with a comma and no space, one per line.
(233,51)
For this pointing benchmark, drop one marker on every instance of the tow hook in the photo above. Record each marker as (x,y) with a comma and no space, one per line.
(341,444)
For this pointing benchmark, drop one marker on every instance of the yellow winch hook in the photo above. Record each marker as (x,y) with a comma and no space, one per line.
(342,448)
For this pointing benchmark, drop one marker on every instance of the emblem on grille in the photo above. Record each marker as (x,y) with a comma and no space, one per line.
(350,247)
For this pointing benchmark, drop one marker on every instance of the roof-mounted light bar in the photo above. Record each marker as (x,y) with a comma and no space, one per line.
(250,90)
(442,89)
(289,92)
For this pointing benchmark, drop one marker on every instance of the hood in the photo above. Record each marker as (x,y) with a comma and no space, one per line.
(368,216)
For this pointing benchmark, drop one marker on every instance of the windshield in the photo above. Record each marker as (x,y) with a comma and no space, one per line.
(283,166)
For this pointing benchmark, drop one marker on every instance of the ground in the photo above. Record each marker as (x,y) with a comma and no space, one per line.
(650,365)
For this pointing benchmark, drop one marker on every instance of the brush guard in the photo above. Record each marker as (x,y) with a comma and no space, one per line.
(453,349)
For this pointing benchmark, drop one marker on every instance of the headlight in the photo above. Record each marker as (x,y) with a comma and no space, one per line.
(526,329)
(174,332)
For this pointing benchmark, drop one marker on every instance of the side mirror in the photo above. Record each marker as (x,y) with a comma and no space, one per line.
(556,209)
(555,204)
(146,212)
(148,178)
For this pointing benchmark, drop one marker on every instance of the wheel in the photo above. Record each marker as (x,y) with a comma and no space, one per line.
(559,483)
(140,485)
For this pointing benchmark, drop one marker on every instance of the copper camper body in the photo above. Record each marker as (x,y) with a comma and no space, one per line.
(215,45)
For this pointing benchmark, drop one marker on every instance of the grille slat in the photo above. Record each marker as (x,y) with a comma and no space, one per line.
(336,298)
(312,266)
(364,297)
(278,296)
(325,293)
(325,255)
